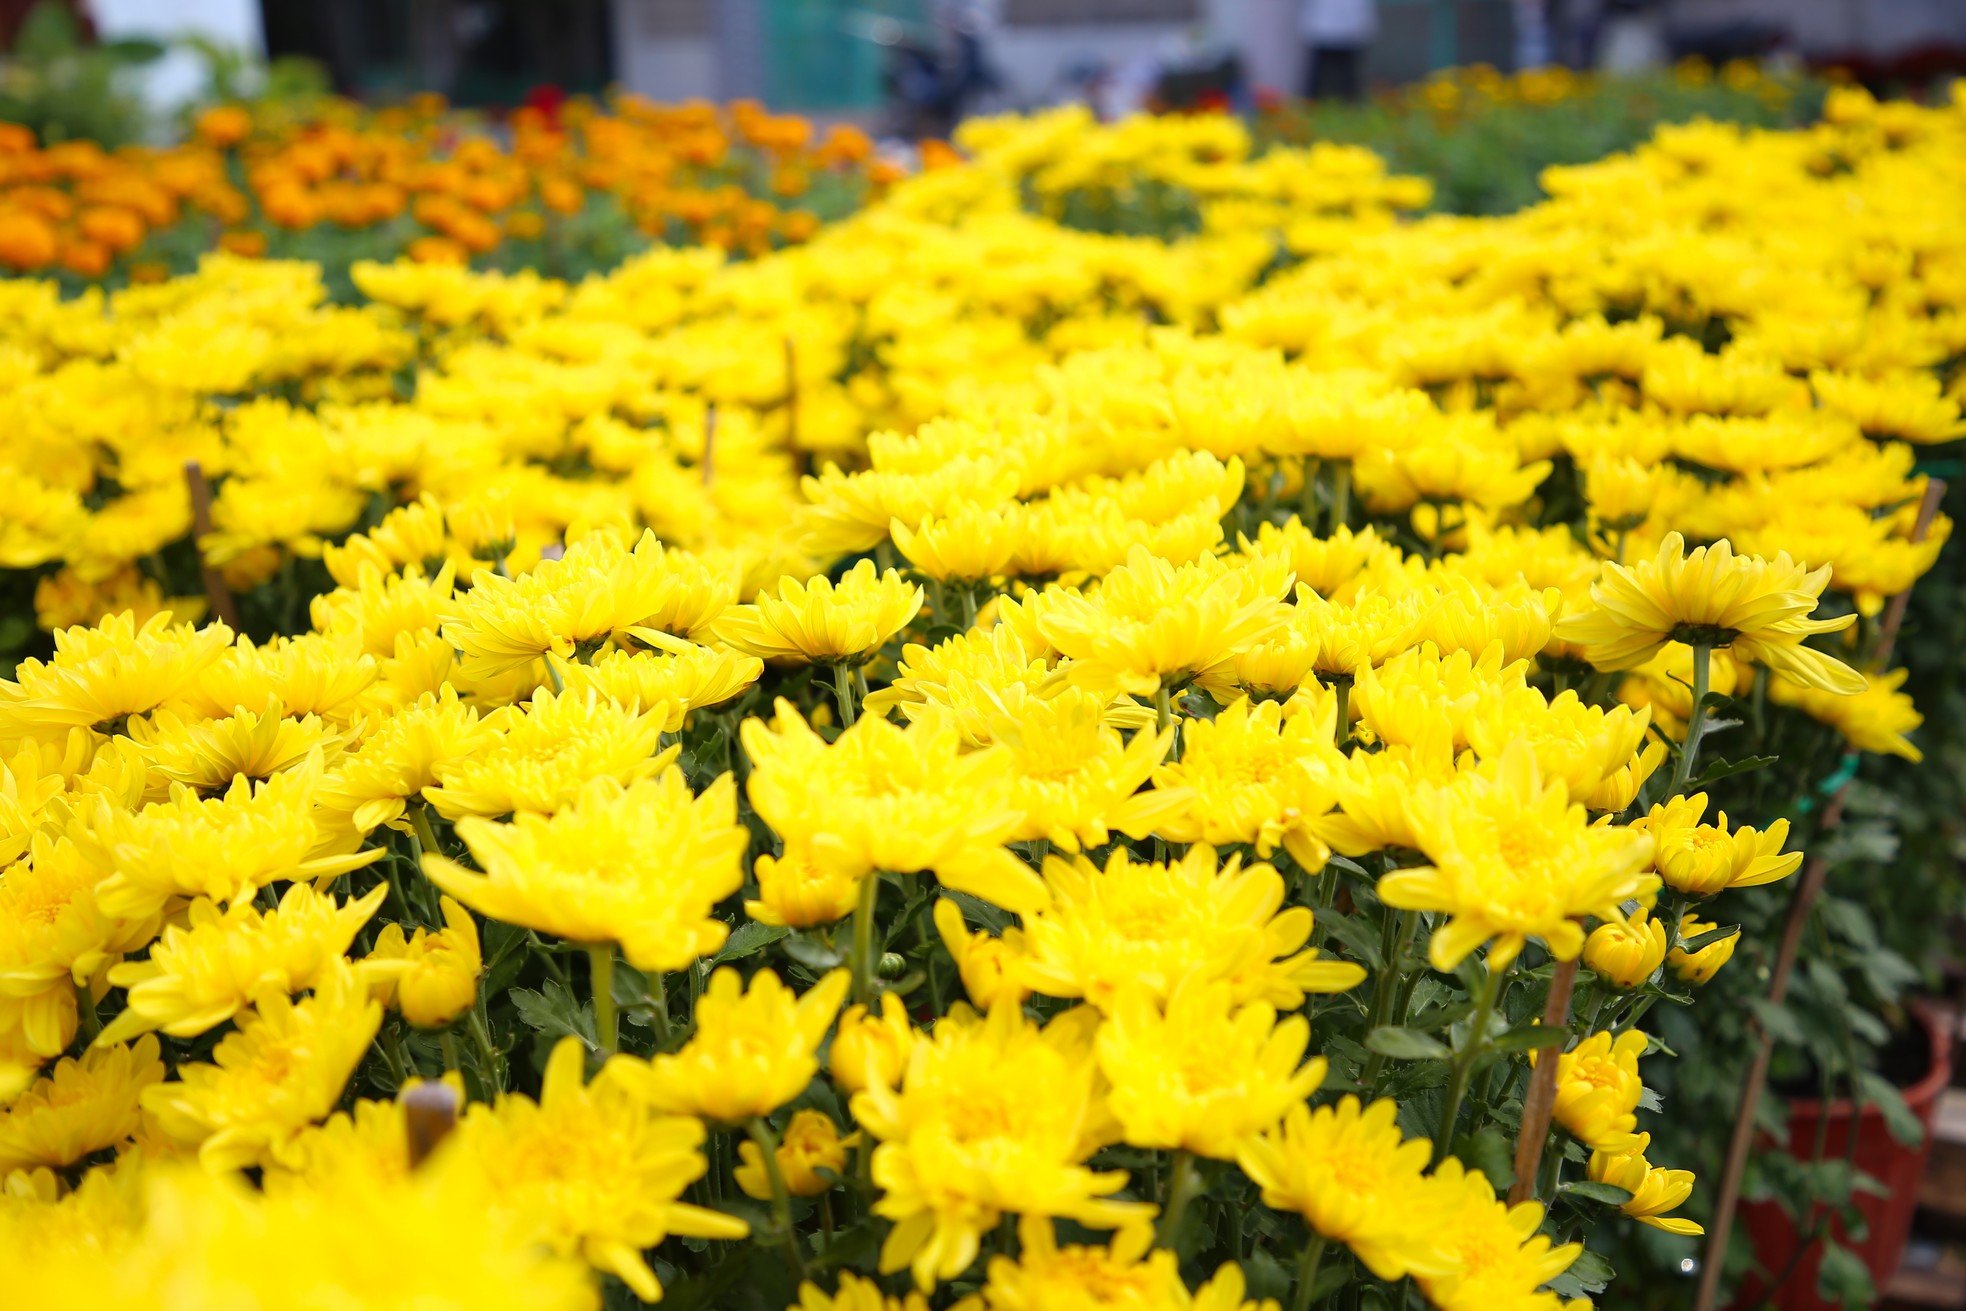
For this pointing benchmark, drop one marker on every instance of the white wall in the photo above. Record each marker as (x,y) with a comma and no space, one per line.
(180,74)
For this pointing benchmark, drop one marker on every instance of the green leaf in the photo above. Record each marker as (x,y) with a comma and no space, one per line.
(1361,939)
(554,1014)
(751,938)
(1778,1020)
(979,911)
(1843,1277)
(1589,1273)
(1609,1194)
(812,953)
(1700,941)
(1490,1151)
(1531,1037)
(1720,769)
(1405,1044)
(1875,1089)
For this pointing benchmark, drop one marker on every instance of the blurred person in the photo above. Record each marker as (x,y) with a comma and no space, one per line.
(1337,33)
(934,80)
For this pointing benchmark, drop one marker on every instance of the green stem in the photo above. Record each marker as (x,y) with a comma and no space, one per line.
(1183,1183)
(843,694)
(659,994)
(928,963)
(426,835)
(1394,943)
(781,1200)
(1307,1271)
(550,959)
(447,1043)
(392,1055)
(1341,728)
(553,679)
(487,1054)
(863,938)
(1163,708)
(1464,1060)
(600,962)
(1341,493)
(1682,769)
(85,1010)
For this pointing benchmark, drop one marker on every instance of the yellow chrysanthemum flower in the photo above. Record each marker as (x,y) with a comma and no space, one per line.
(823,622)
(1074,777)
(811,1143)
(1877,719)
(208,755)
(1151,624)
(1696,967)
(754,1050)
(1711,597)
(1626,953)
(991,1116)
(1582,746)
(1152,927)
(1205,1075)
(856,1294)
(676,678)
(54,935)
(546,753)
(225,847)
(283,1069)
(642,865)
(1653,1191)
(1704,859)
(1128,1273)
(870,1048)
(1485,1253)
(989,967)
(80,1107)
(1597,1089)
(1513,859)
(391,1247)
(597,591)
(881,797)
(1252,775)
(432,974)
(310,674)
(591,1170)
(1349,1172)
(202,974)
(101,676)
(374,783)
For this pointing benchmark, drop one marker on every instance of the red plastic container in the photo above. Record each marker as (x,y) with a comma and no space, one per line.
(1897,1167)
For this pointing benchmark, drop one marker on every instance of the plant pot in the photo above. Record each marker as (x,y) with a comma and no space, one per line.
(1887,1217)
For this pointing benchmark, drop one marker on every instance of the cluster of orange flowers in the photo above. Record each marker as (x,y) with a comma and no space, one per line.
(416,179)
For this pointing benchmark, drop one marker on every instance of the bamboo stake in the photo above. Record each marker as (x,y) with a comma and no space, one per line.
(1540,1103)
(429,1113)
(1808,888)
(217,595)
(709,443)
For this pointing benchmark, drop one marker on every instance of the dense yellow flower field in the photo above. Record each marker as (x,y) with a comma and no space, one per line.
(968,762)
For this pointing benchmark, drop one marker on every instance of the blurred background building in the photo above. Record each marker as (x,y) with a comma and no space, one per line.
(840,56)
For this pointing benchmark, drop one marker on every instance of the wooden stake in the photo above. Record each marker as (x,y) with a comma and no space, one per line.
(1807,889)
(1540,1103)
(802,458)
(217,595)
(709,442)
(430,1113)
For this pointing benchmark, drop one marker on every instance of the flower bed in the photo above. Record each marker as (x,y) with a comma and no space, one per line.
(969,759)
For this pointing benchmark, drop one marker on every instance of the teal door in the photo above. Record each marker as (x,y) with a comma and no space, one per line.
(822,54)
